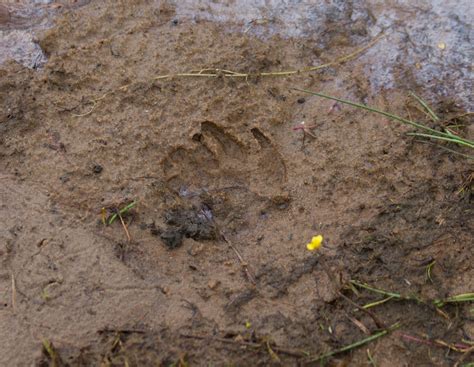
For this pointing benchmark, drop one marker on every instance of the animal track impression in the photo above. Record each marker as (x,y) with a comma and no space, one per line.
(217,159)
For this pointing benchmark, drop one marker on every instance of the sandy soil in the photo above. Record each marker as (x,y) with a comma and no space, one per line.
(216,270)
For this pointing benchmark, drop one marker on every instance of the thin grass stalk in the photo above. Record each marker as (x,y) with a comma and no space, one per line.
(452,140)
(434,133)
(425,106)
(356,344)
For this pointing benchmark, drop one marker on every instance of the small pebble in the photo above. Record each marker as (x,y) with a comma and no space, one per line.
(213,284)
(196,248)
(97,168)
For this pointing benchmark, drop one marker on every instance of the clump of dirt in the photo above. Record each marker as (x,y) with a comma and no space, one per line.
(190,223)
(229,190)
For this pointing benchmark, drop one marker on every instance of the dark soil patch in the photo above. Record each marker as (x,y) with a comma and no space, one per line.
(182,223)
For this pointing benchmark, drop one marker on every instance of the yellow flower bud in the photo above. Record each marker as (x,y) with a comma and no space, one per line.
(315,243)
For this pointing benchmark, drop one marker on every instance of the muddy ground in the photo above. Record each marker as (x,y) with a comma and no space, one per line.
(215,271)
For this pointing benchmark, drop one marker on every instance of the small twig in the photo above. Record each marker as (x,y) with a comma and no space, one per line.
(371,358)
(13,293)
(243,263)
(379,323)
(95,101)
(460,348)
(359,324)
(125,227)
(415,339)
(442,313)
(464,356)
(123,331)
(466,184)
(216,73)
(306,129)
(94,104)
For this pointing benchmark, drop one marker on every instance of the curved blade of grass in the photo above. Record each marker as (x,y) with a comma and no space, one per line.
(373,304)
(465,297)
(121,212)
(356,344)
(412,297)
(454,139)
(376,290)
(425,106)
(371,109)
(51,353)
(432,132)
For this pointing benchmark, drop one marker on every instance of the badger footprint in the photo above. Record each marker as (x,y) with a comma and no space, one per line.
(217,159)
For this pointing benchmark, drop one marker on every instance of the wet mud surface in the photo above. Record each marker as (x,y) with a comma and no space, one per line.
(210,267)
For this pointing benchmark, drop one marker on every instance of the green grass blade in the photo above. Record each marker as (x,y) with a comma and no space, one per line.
(417,125)
(128,207)
(376,303)
(466,297)
(121,212)
(376,290)
(371,109)
(425,106)
(453,139)
(356,344)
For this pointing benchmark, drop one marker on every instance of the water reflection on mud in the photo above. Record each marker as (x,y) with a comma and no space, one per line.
(428,42)
(20,20)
